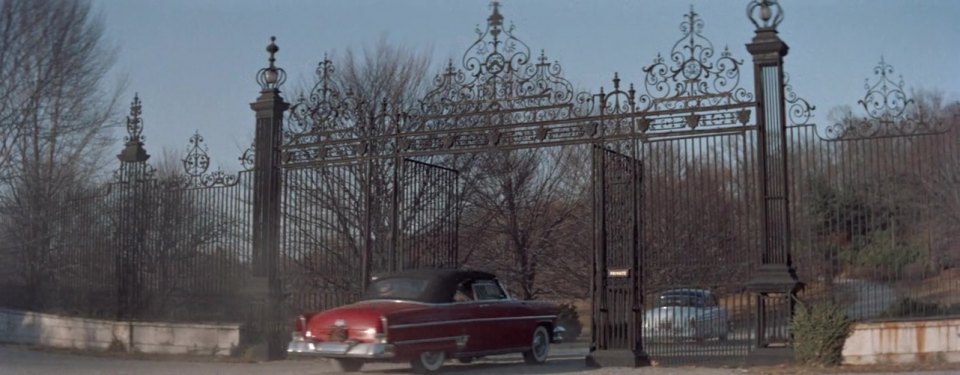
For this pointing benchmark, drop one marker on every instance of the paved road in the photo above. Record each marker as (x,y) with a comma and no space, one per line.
(19,360)
(565,360)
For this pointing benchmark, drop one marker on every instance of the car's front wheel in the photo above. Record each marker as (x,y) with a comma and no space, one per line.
(539,347)
(349,364)
(428,362)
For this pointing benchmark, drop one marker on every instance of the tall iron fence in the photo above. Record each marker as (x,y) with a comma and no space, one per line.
(175,248)
(874,222)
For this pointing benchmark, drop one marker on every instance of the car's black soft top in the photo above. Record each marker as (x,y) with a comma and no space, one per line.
(440,283)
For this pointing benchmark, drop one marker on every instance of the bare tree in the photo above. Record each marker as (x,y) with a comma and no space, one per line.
(328,232)
(520,207)
(54,113)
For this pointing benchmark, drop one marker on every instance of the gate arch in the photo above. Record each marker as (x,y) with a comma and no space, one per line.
(690,122)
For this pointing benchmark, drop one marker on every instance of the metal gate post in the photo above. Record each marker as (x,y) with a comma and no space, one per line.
(133,176)
(774,278)
(267,332)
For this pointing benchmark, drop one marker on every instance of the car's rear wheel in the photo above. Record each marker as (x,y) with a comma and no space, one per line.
(428,362)
(349,364)
(539,347)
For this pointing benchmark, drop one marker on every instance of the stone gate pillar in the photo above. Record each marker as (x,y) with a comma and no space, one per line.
(266,332)
(133,178)
(774,281)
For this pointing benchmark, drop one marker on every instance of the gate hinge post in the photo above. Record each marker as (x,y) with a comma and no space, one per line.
(774,282)
(269,333)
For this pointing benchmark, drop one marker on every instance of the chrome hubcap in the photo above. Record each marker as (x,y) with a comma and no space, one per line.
(431,360)
(540,344)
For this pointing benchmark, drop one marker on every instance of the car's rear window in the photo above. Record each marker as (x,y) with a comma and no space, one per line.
(401,288)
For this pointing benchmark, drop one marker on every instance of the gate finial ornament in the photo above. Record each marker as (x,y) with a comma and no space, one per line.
(134,122)
(133,157)
(765,14)
(271,77)
(495,19)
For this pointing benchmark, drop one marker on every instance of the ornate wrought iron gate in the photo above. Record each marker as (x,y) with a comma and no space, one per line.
(344,223)
(617,298)
(362,209)
(690,108)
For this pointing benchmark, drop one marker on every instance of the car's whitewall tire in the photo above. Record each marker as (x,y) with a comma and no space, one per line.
(428,362)
(539,347)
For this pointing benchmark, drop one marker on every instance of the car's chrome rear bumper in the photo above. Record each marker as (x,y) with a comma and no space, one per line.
(299,345)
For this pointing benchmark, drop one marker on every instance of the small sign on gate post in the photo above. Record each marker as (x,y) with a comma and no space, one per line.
(618,272)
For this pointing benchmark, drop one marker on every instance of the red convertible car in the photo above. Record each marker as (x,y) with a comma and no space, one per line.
(426,317)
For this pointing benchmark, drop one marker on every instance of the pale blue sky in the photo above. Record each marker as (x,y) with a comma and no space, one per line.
(193,61)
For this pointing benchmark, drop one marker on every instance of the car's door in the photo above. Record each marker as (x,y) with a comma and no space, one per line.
(465,311)
(495,316)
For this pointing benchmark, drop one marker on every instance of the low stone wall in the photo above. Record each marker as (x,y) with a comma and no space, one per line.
(903,342)
(31,328)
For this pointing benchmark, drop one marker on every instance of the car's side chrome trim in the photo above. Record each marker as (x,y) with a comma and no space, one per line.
(381,300)
(482,301)
(460,340)
(473,320)
(484,353)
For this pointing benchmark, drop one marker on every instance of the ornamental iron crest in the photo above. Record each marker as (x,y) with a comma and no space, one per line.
(692,78)
(247,158)
(800,111)
(327,108)
(196,166)
(499,82)
(196,162)
(889,112)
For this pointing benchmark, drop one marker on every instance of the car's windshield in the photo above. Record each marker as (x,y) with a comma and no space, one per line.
(679,299)
(401,288)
